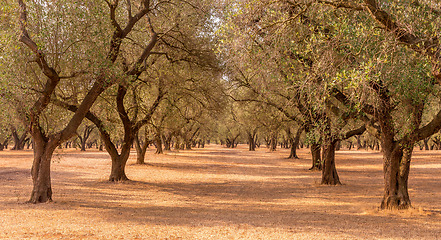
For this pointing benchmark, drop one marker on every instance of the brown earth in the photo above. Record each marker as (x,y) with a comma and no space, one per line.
(217,193)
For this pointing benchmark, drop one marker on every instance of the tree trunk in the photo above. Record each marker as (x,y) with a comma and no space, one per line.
(177,143)
(158,141)
(167,142)
(316,160)
(86,134)
(141,149)
(349,145)
(252,144)
(359,145)
(273,144)
(118,171)
(396,173)
(338,146)
(267,140)
(19,142)
(82,144)
(426,145)
(329,172)
(187,145)
(4,144)
(295,143)
(40,172)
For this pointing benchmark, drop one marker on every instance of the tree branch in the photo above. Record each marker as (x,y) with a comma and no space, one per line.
(429,47)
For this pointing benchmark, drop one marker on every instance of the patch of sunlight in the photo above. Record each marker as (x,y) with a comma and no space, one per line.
(426,166)
(362,167)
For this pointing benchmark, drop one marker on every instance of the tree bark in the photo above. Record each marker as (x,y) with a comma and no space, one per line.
(329,172)
(118,170)
(40,171)
(316,159)
(396,173)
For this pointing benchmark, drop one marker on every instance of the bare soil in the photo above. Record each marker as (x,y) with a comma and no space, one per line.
(217,193)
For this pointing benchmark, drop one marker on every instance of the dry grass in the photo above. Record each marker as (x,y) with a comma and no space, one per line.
(216,193)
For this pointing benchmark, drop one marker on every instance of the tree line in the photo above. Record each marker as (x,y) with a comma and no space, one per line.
(313,72)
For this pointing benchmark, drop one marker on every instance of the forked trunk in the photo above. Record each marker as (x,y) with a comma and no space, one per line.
(329,172)
(316,160)
(83,145)
(140,157)
(141,149)
(293,153)
(118,172)
(396,174)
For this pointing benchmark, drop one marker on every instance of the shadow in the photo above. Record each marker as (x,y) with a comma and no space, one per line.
(238,203)
(255,189)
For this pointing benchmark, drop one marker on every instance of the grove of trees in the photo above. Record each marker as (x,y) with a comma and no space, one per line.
(179,74)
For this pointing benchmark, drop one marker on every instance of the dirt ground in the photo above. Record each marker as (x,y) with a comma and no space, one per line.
(217,193)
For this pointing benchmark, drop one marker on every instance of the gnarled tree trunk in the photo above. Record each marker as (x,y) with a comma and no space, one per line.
(396,173)
(118,172)
(40,172)
(329,172)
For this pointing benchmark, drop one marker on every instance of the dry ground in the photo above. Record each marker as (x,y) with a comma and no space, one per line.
(217,193)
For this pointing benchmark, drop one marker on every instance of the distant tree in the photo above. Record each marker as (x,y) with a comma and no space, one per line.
(87,130)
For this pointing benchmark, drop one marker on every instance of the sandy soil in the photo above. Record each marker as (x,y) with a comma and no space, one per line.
(217,193)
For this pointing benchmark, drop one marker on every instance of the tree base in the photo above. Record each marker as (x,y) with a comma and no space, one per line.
(44,196)
(118,179)
(392,203)
(331,182)
(315,168)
